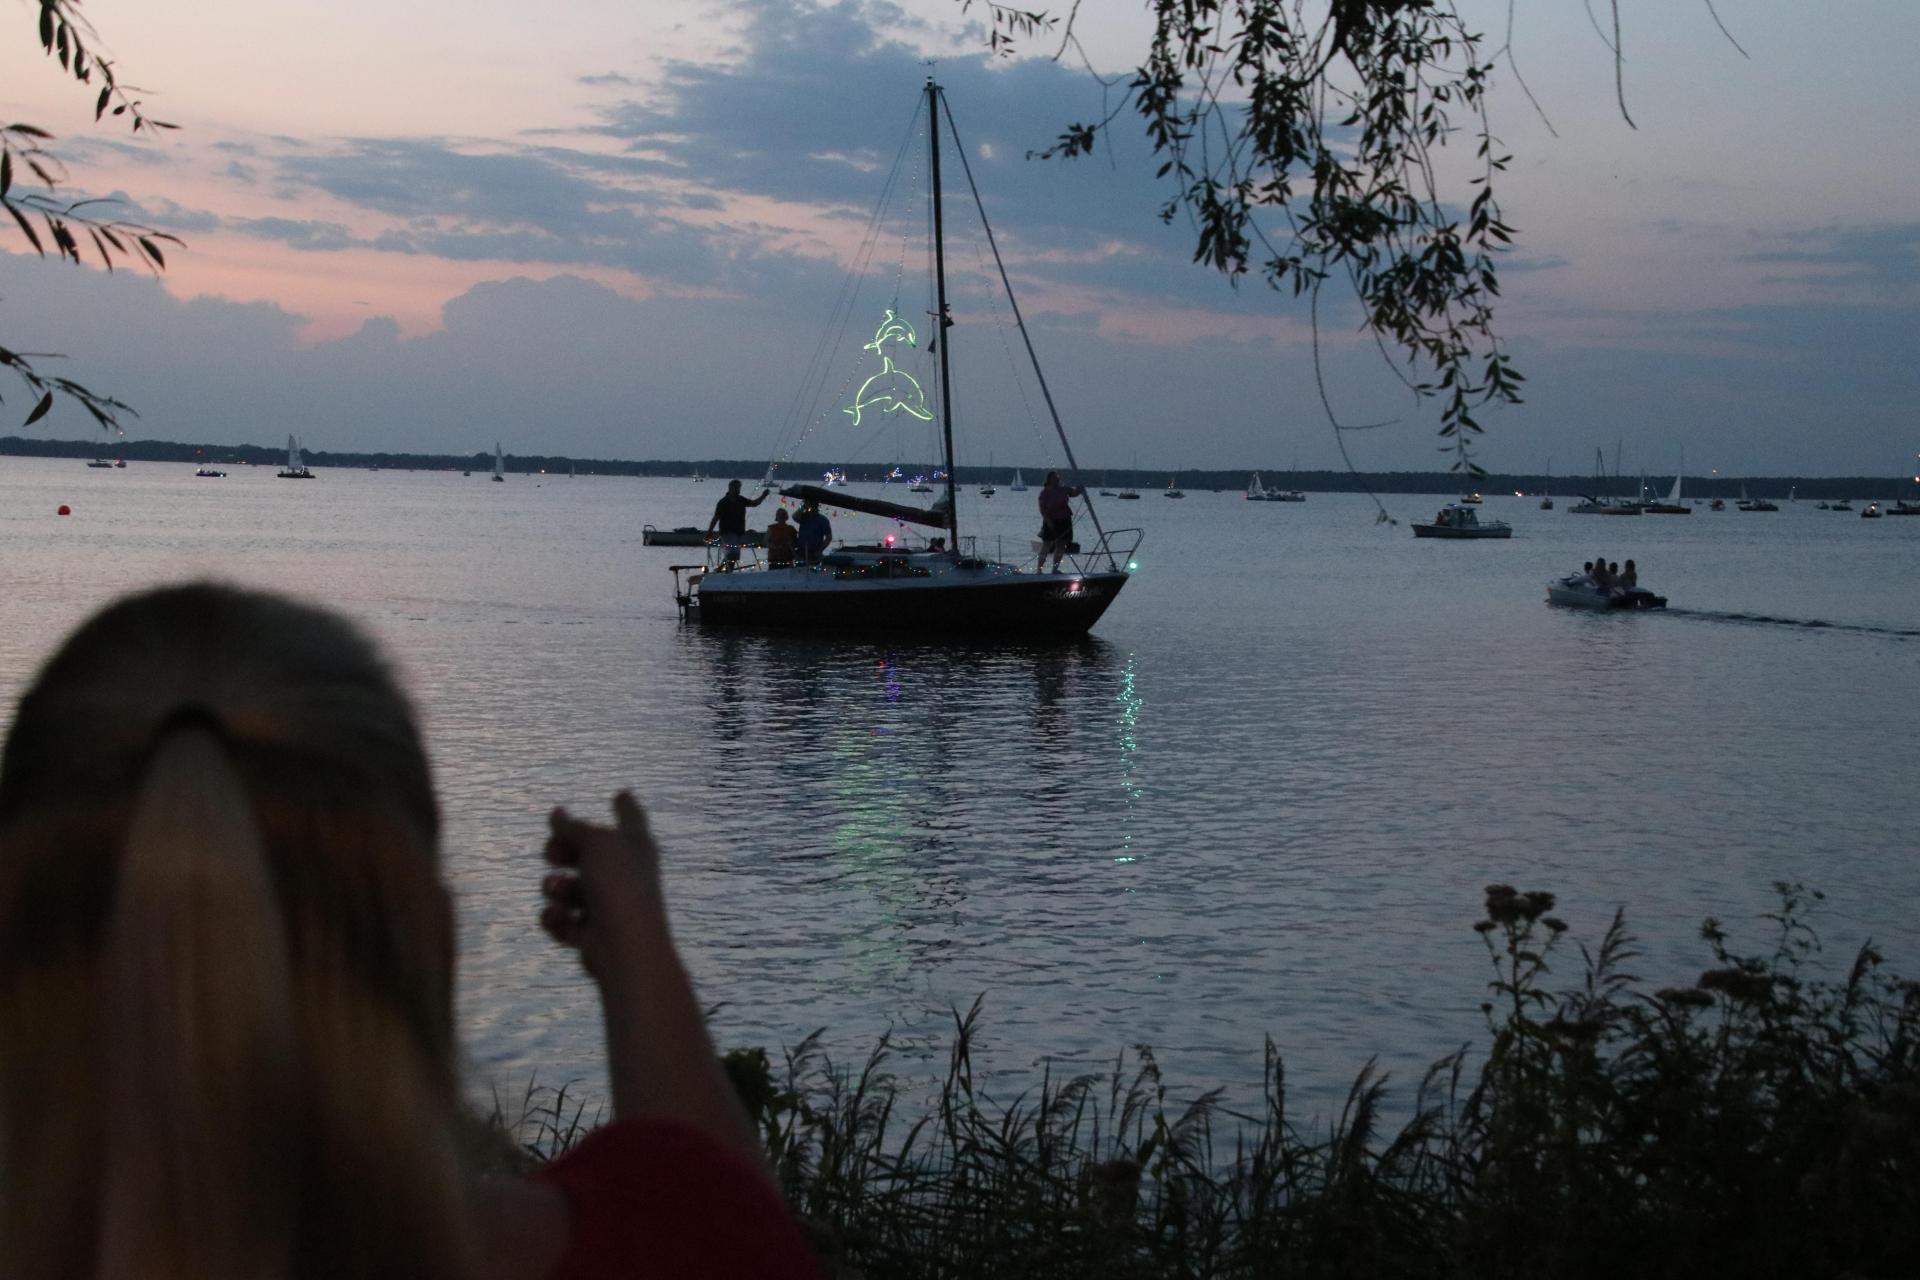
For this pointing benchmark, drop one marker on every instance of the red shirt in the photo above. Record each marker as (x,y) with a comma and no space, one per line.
(656,1197)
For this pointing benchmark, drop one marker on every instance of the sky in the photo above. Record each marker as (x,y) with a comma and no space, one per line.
(601,229)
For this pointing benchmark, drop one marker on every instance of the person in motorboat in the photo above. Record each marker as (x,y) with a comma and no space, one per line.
(1602,579)
(1056,519)
(1630,578)
(730,518)
(1444,518)
(782,537)
(815,532)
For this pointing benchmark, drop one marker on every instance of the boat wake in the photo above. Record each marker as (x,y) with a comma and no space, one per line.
(1803,624)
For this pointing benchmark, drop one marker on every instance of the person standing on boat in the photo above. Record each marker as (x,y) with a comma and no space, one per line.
(816,531)
(730,518)
(781,537)
(1056,519)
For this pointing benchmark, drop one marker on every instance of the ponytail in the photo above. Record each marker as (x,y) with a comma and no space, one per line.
(198,1032)
(226,1041)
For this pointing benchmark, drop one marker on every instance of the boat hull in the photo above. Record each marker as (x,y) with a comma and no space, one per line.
(991,600)
(1492,530)
(1575,594)
(688,536)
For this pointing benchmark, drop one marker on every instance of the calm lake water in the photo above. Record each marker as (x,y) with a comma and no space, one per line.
(1262,799)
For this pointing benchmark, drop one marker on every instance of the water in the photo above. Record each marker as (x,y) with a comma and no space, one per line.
(1262,799)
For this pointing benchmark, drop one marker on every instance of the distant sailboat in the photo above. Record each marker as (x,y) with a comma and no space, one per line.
(1672,506)
(296,469)
(1256,492)
(1016,485)
(499,464)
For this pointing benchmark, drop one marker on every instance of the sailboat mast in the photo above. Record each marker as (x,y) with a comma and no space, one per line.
(941,321)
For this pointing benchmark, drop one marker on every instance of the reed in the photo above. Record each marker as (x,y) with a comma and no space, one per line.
(1764,1121)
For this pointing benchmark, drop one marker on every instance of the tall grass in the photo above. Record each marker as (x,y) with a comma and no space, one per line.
(1764,1121)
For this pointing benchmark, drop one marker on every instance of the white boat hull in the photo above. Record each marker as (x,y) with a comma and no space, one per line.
(1577,592)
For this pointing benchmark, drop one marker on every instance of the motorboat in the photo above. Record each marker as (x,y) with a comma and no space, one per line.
(1174,490)
(101,463)
(208,473)
(1578,591)
(1870,512)
(1459,520)
(923,576)
(1844,504)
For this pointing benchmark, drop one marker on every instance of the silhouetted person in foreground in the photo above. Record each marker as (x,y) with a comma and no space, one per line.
(226,988)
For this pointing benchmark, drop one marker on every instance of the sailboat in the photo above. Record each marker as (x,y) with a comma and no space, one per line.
(987,490)
(1752,504)
(1016,485)
(499,464)
(1671,506)
(947,585)
(1593,505)
(1256,492)
(296,469)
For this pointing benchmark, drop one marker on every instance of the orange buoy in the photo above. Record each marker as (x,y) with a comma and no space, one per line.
(65,510)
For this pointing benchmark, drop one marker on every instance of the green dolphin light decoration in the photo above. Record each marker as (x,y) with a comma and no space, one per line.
(891,390)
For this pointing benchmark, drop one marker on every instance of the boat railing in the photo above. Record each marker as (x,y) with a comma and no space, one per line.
(1113,551)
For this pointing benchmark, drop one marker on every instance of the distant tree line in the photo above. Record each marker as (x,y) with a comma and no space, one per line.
(1810,488)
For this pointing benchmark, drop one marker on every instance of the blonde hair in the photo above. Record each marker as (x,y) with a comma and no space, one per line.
(226,1042)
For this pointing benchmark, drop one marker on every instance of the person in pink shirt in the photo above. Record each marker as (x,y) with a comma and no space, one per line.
(1056,519)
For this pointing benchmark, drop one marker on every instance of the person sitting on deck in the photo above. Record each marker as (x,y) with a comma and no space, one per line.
(781,539)
(816,531)
(1629,578)
(1602,580)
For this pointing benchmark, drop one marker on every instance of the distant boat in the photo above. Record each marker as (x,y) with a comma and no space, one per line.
(1871,511)
(1016,485)
(1460,520)
(1753,504)
(1173,489)
(208,473)
(1672,506)
(101,462)
(1845,504)
(499,464)
(1256,492)
(296,469)
(688,536)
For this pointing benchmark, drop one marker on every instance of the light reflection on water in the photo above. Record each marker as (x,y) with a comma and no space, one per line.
(1262,798)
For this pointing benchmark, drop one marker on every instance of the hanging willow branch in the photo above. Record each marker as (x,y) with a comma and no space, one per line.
(30,180)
